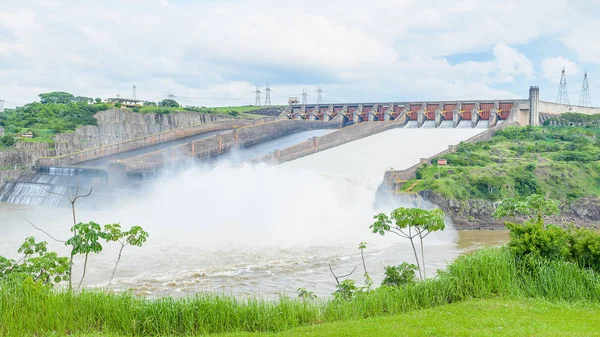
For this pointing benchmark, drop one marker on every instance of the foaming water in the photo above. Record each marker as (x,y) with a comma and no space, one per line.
(260,229)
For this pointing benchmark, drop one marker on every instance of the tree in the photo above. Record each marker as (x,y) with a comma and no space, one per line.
(169,103)
(147,103)
(7,141)
(83,99)
(98,100)
(411,223)
(368,281)
(535,204)
(85,241)
(37,263)
(136,236)
(56,97)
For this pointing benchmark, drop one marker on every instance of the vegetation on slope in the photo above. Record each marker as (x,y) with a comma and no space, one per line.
(561,162)
(58,112)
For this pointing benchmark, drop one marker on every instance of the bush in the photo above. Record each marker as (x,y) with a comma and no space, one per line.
(533,241)
(402,274)
(7,141)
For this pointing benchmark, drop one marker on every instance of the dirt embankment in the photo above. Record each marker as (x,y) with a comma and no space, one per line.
(477,213)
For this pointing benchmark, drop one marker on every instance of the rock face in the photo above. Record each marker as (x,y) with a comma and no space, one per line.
(477,213)
(114,126)
(118,125)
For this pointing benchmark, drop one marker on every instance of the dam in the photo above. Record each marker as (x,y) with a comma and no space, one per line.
(258,229)
(257,207)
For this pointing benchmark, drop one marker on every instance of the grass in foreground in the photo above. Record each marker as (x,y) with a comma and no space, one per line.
(485,274)
(496,317)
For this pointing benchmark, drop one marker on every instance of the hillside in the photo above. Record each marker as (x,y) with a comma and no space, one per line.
(61,112)
(560,162)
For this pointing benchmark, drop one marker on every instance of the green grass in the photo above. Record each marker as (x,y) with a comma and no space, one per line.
(518,162)
(486,274)
(495,317)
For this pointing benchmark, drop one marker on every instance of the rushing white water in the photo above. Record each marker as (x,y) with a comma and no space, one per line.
(260,229)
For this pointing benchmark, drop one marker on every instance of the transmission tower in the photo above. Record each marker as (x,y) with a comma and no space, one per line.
(304,94)
(267,94)
(563,96)
(134,96)
(257,92)
(319,94)
(1,105)
(584,98)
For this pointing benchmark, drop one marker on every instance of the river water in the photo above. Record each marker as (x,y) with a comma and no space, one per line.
(260,230)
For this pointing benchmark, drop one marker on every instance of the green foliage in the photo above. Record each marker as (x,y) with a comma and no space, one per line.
(55,116)
(410,223)
(7,141)
(368,280)
(487,187)
(306,295)
(345,290)
(396,276)
(37,264)
(118,105)
(147,103)
(170,103)
(98,100)
(491,273)
(57,97)
(86,238)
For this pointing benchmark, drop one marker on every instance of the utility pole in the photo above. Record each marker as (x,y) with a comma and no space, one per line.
(319,95)
(267,94)
(257,99)
(563,96)
(134,96)
(304,94)
(584,98)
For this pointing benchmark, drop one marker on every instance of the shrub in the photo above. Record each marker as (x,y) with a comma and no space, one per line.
(7,141)
(402,274)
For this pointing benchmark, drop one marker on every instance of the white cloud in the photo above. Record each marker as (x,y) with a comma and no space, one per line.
(552,68)
(582,39)
(220,49)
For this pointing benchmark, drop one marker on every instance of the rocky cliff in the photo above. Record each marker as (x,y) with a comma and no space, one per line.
(118,125)
(114,125)
(477,213)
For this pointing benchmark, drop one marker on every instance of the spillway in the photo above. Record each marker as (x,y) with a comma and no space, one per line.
(260,230)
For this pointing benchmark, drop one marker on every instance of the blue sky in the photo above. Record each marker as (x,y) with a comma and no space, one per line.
(213,53)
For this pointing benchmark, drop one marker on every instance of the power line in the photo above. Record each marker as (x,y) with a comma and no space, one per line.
(319,95)
(257,98)
(584,98)
(304,94)
(267,94)
(563,96)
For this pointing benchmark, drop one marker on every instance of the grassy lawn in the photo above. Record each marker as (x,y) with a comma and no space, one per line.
(495,317)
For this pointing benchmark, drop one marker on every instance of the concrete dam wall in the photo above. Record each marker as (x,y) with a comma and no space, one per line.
(148,140)
(205,148)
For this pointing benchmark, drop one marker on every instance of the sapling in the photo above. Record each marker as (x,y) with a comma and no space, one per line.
(136,236)
(72,200)
(368,281)
(85,241)
(411,223)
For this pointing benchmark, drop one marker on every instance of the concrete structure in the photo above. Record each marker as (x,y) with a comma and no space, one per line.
(525,111)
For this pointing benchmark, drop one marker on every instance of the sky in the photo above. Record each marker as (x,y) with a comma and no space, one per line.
(214,53)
